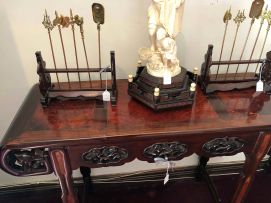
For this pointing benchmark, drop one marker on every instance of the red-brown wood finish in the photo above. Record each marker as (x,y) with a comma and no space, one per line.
(63,171)
(68,129)
(252,162)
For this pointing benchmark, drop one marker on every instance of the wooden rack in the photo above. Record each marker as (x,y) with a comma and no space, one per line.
(210,82)
(78,89)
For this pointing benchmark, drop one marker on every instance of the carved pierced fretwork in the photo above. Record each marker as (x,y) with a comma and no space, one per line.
(105,155)
(171,150)
(26,162)
(223,146)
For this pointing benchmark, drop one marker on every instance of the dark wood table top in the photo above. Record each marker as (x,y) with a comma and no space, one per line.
(66,121)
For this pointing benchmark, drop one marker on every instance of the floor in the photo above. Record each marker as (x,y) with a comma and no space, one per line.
(184,191)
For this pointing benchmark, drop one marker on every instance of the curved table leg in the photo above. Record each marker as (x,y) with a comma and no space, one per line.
(253,160)
(64,173)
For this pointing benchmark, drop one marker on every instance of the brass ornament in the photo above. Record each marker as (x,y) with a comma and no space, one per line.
(79,21)
(227,17)
(58,21)
(256,40)
(256,9)
(98,13)
(98,17)
(255,13)
(240,17)
(49,26)
(64,21)
(47,22)
(267,17)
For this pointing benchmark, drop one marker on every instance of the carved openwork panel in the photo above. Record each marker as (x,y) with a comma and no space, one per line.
(167,149)
(105,155)
(26,162)
(224,146)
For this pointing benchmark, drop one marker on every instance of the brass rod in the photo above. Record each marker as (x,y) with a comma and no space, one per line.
(49,26)
(63,48)
(244,47)
(256,40)
(80,21)
(267,16)
(238,20)
(84,45)
(226,19)
(74,43)
(233,46)
(99,47)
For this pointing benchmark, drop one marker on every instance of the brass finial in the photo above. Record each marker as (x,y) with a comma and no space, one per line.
(47,22)
(240,17)
(227,16)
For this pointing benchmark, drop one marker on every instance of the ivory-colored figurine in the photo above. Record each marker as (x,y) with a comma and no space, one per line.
(164,24)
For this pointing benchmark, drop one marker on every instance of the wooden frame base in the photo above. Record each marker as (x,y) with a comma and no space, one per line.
(177,94)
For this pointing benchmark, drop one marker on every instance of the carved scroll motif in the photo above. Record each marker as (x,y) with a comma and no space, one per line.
(105,155)
(168,149)
(223,146)
(26,162)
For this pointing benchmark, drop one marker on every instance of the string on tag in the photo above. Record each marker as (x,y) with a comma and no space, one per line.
(166,179)
(106,93)
(169,164)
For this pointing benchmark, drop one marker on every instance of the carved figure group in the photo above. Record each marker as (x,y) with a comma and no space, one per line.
(164,24)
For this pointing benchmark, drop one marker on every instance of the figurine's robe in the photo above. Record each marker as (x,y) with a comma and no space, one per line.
(169,15)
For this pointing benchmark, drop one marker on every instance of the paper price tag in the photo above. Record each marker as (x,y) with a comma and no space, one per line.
(106,96)
(166,179)
(259,86)
(167,78)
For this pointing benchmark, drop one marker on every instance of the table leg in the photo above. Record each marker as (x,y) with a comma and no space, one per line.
(64,173)
(202,174)
(251,164)
(85,171)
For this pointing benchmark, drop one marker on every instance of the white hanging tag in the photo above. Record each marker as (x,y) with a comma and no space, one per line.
(166,179)
(106,96)
(259,86)
(167,78)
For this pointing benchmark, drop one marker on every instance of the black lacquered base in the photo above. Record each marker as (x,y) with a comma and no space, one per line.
(177,94)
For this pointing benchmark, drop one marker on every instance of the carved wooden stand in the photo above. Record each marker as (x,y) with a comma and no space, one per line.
(178,94)
(211,82)
(50,91)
